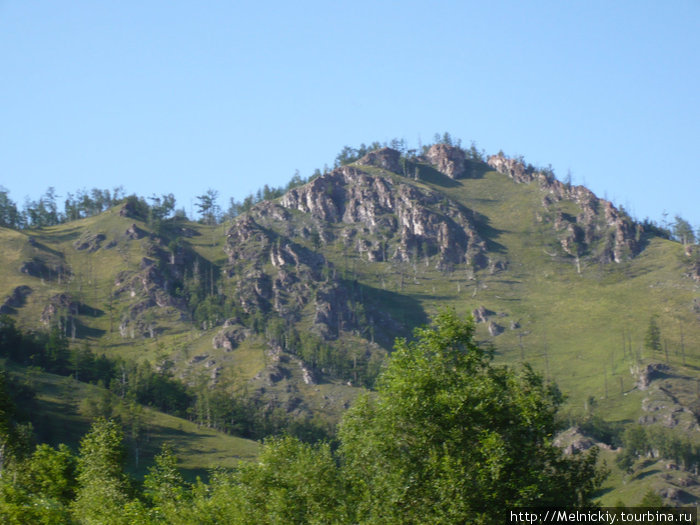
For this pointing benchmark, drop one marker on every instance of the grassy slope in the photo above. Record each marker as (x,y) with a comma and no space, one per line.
(59,416)
(198,448)
(572,324)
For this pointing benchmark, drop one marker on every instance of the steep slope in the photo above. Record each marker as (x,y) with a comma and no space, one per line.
(297,301)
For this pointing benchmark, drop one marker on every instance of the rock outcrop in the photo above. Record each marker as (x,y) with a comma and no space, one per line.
(599,230)
(395,220)
(482,314)
(230,336)
(495,328)
(646,374)
(35,268)
(386,158)
(89,241)
(573,441)
(299,277)
(133,232)
(694,272)
(692,251)
(60,308)
(449,160)
(151,290)
(149,282)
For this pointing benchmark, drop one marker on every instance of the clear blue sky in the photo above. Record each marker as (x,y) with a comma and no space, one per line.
(172,96)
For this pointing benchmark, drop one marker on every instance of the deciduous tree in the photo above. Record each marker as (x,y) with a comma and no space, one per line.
(450,437)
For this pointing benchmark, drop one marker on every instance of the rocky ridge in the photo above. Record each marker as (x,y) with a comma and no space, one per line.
(391,220)
(600,229)
(271,272)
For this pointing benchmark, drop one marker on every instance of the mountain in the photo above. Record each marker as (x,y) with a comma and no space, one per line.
(294,304)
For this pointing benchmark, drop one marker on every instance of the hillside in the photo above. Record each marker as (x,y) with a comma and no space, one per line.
(295,303)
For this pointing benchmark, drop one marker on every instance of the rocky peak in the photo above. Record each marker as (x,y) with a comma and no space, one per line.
(385,158)
(599,222)
(394,214)
(449,160)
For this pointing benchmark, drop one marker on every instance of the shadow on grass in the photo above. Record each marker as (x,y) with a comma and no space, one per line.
(646,474)
(83,331)
(55,422)
(65,236)
(602,492)
(89,310)
(482,224)
(391,314)
(42,247)
(432,176)
(475,170)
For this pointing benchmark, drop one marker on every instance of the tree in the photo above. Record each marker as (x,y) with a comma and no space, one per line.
(14,436)
(161,208)
(164,486)
(292,482)
(652,337)
(57,352)
(450,437)
(50,473)
(40,489)
(683,231)
(9,215)
(102,486)
(207,206)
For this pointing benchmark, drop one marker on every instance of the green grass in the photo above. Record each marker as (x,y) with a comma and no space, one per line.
(59,419)
(584,331)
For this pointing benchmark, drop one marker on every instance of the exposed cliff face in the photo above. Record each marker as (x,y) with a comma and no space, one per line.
(599,229)
(298,277)
(449,160)
(149,291)
(391,219)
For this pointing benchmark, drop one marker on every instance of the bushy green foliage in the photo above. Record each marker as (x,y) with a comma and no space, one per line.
(683,231)
(103,489)
(40,488)
(292,483)
(447,438)
(654,441)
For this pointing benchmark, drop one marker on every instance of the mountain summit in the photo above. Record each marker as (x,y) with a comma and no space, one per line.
(295,302)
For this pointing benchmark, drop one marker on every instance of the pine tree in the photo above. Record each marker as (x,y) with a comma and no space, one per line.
(652,337)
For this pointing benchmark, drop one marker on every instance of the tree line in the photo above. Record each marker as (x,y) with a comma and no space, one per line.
(447,437)
(46,210)
(129,381)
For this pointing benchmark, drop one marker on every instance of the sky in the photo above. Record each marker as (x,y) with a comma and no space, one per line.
(179,97)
